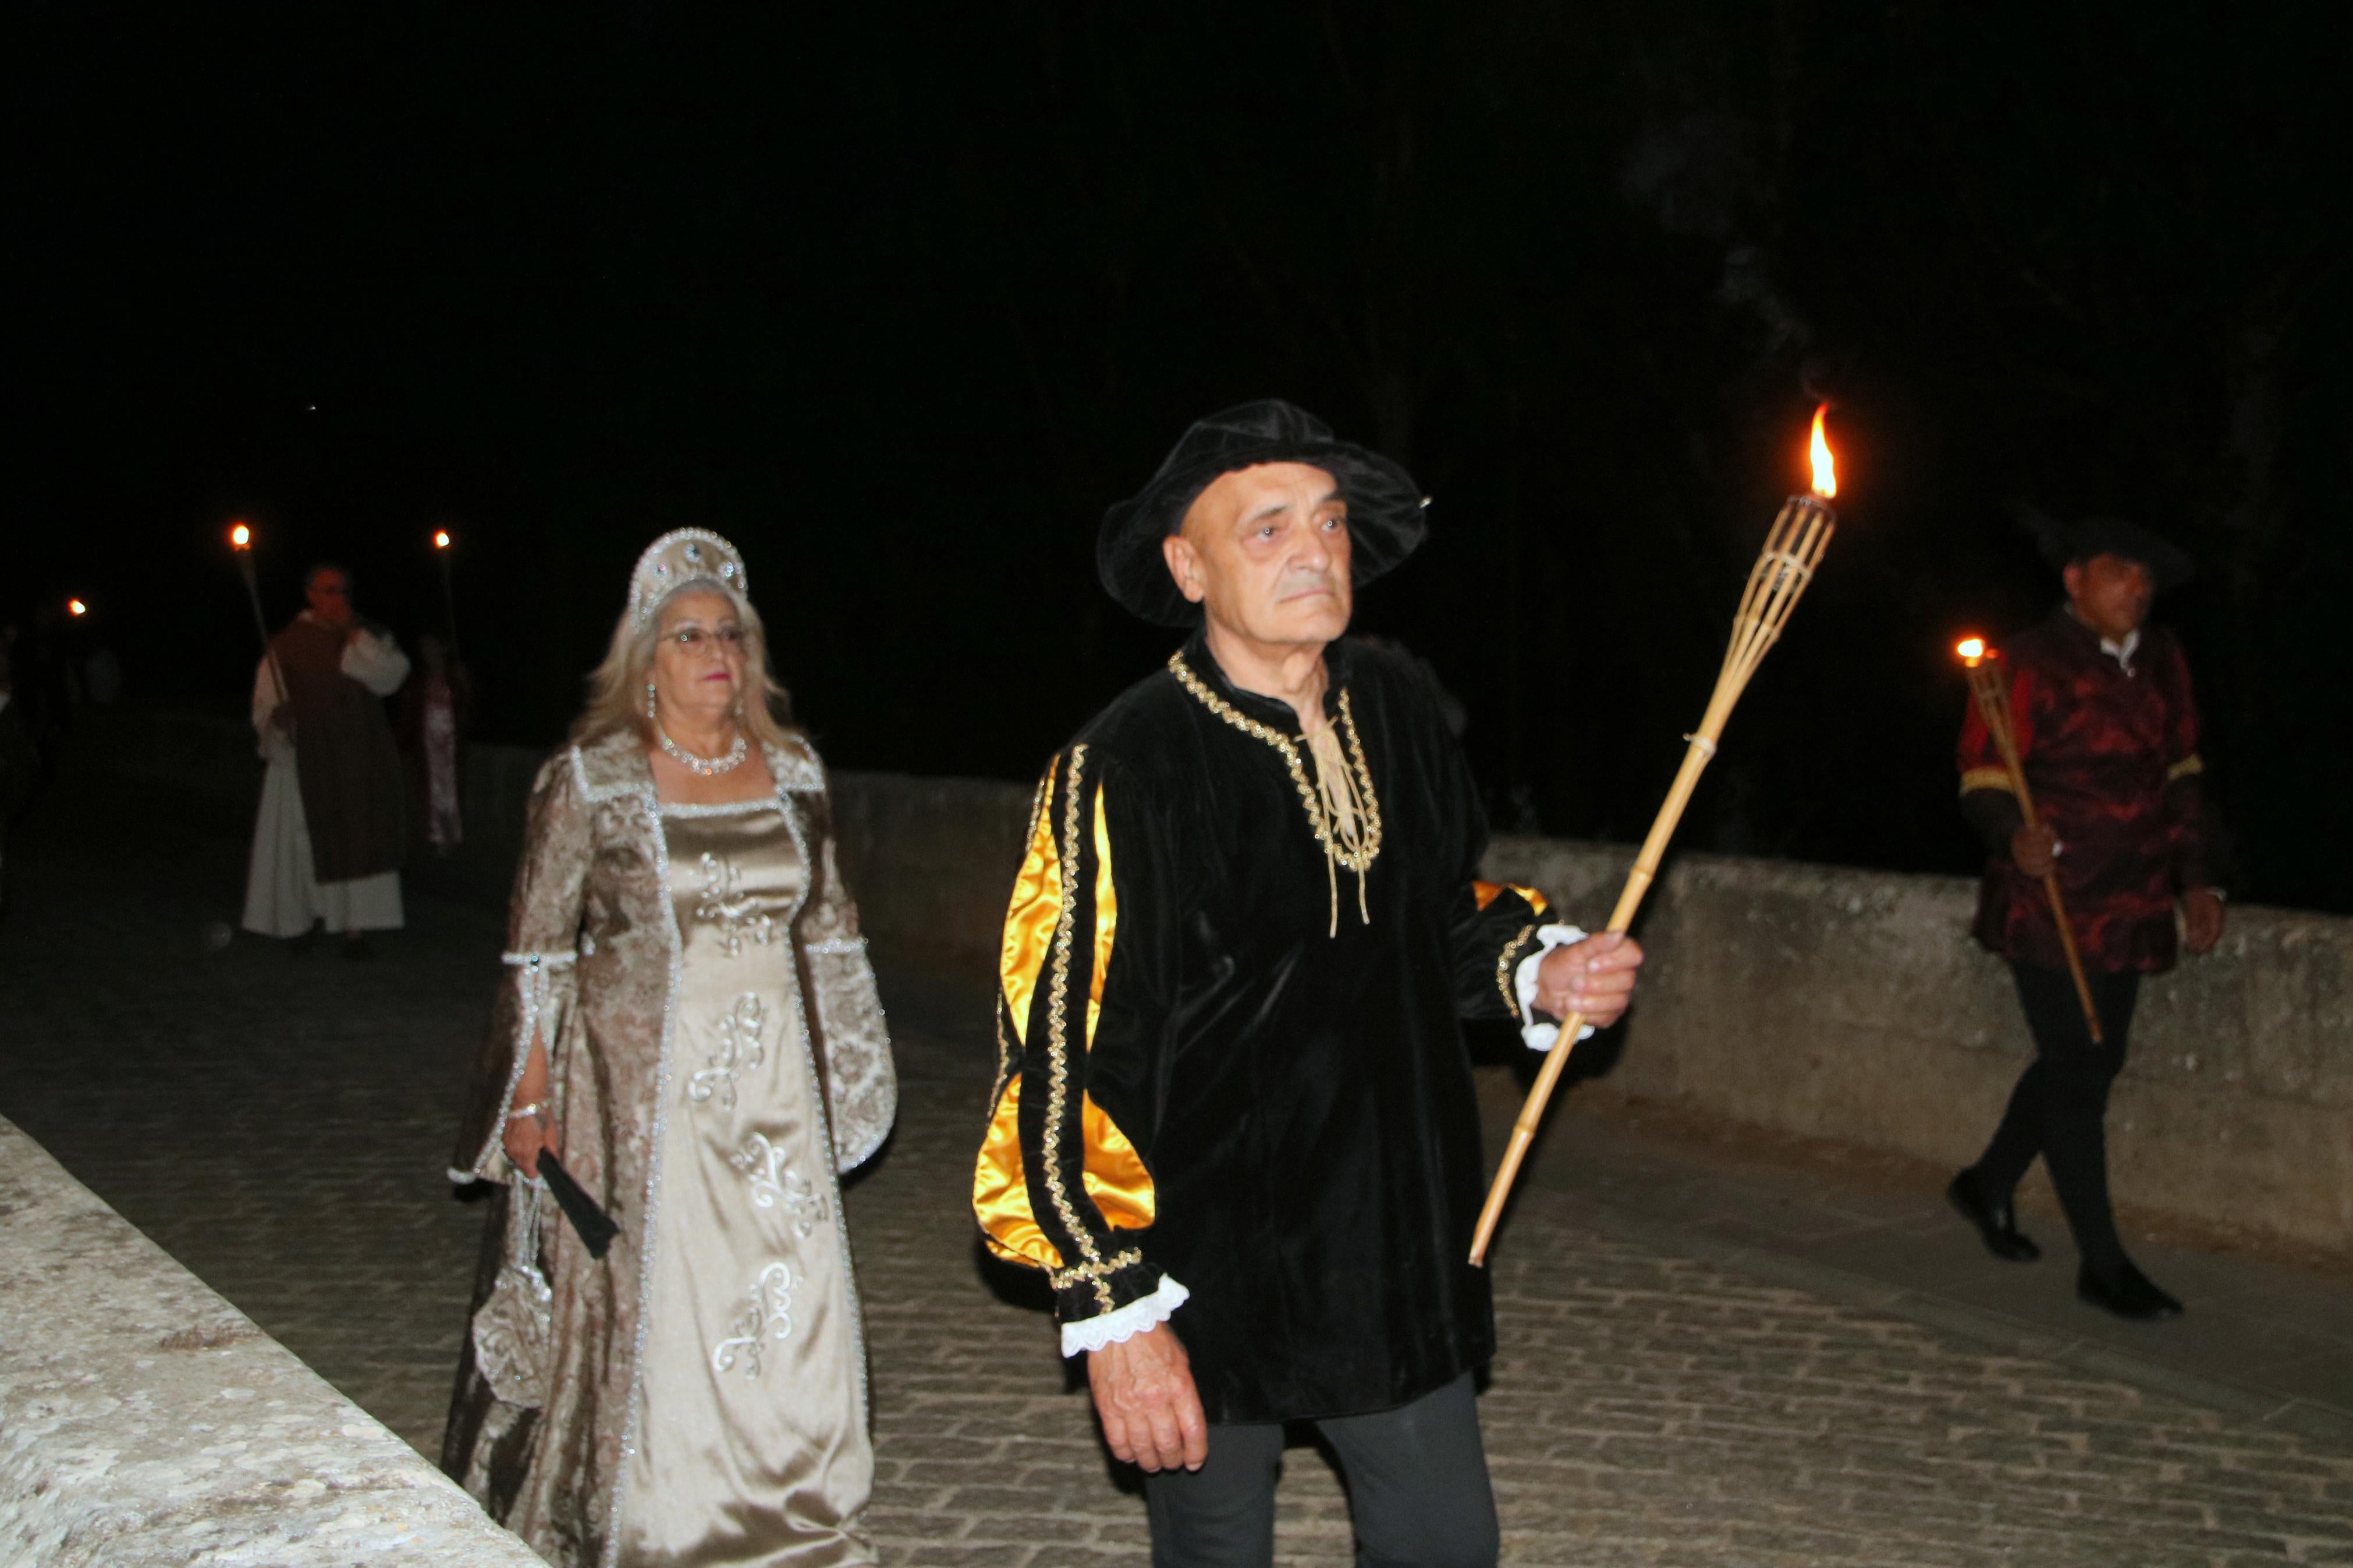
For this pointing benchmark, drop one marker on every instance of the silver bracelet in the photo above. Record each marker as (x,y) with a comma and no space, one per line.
(519,1111)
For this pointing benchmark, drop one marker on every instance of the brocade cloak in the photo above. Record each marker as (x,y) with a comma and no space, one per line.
(1200,1082)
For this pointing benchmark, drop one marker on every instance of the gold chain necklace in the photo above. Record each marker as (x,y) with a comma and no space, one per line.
(1354,851)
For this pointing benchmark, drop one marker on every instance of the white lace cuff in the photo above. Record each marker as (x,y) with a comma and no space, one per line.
(1119,1326)
(1541,1037)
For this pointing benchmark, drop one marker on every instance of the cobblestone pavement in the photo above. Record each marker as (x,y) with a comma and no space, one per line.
(280,1124)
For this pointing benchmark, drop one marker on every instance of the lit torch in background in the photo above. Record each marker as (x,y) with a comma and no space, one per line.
(1792,550)
(75,608)
(1990,692)
(240,546)
(441,544)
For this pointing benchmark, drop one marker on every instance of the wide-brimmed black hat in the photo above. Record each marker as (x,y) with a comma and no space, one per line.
(2065,543)
(1385,505)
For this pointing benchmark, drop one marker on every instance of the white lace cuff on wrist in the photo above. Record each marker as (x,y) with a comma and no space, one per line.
(1541,1037)
(1123,1325)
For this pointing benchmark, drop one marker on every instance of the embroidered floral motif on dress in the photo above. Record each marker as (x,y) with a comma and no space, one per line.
(774,1183)
(767,1315)
(739,1048)
(723,905)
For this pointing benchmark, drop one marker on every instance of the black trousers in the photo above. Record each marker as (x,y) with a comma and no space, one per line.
(2060,1107)
(1418,1491)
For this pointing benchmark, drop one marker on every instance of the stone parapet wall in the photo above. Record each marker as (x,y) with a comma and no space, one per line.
(1836,1003)
(145,1423)
(1851,1005)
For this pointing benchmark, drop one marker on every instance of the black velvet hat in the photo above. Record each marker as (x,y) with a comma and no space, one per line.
(1385,520)
(2065,543)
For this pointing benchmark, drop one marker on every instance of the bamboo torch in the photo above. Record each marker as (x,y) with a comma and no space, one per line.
(441,542)
(1992,694)
(1792,550)
(240,544)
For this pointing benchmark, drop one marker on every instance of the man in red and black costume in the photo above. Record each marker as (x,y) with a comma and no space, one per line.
(1233,1119)
(2107,731)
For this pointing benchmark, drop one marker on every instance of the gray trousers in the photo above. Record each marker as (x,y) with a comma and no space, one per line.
(1418,1491)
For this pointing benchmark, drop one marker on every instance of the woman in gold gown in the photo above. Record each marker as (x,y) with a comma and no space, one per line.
(688,1021)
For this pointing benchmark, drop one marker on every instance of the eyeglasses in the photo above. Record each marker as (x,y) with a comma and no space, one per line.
(694,642)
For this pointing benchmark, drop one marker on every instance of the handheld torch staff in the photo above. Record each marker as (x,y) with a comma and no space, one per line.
(240,546)
(1792,550)
(1990,692)
(441,544)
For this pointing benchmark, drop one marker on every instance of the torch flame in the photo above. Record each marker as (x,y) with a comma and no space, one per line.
(442,539)
(240,537)
(1825,471)
(76,607)
(1972,651)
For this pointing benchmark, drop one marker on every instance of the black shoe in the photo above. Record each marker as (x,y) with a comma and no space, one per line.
(2127,1293)
(1995,1221)
(299,945)
(357,946)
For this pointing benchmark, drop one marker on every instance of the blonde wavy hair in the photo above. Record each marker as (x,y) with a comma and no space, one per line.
(616,688)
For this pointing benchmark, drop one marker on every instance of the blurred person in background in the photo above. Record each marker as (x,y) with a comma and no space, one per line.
(2107,730)
(434,708)
(328,840)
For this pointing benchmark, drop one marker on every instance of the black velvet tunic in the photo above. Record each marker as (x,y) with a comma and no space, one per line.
(1200,1080)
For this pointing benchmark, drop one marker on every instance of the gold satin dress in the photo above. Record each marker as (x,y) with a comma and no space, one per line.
(751,1440)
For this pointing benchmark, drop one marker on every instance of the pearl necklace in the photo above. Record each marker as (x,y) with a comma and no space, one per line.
(708,767)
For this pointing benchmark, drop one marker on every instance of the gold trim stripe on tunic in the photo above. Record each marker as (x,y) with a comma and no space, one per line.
(1057,1045)
(1488,892)
(1001,1190)
(1096,1272)
(1987,778)
(1106,917)
(1504,972)
(1029,920)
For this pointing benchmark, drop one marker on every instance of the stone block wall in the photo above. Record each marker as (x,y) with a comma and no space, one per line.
(1836,1003)
(1851,1005)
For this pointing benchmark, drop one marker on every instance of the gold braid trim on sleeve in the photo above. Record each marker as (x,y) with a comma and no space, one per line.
(1503,972)
(1057,1043)
(1096,1272)
(2187,767)
(1988,778)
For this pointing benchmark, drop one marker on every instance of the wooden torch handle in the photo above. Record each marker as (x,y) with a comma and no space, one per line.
(1792,550)
(1985,687)
(1630,899)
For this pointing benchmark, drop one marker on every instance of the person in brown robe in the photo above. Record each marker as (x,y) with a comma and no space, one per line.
(328,849)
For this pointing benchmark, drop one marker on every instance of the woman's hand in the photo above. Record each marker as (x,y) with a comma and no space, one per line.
(535,1129)
(525,1137)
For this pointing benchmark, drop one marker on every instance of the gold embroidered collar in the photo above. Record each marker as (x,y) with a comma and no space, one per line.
(1342,810)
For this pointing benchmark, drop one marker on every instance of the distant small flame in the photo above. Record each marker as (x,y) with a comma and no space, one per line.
(442,539)
(1825,471)
(1972,650)
(240,537)
(76,607)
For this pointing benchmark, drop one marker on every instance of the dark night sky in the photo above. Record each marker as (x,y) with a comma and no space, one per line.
(900,299)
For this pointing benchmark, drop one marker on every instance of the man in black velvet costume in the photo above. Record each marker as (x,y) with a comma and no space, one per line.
(1233,1119)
